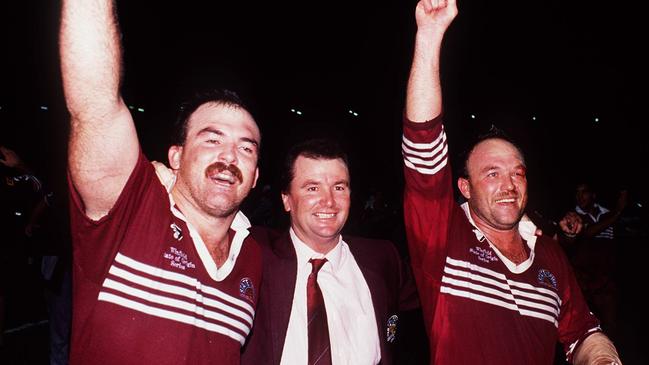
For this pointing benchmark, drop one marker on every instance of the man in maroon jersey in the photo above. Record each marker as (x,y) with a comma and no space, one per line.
(162,274)
(491,291)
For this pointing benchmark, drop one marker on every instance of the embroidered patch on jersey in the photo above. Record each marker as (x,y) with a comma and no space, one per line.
(178,259)
(246,289)
(547,278)
(392,328)
(178,233)
(484,254)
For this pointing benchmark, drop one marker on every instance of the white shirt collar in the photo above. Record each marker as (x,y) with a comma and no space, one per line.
(527,230)
(600,208)
(239,225)
(305,253)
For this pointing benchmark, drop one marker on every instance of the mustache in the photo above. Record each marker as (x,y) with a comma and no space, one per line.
(507,196)
(220,167)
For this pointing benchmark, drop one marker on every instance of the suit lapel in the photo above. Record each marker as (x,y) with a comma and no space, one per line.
(281,284)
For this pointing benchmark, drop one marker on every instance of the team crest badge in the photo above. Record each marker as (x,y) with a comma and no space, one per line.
(392,328)
(178,233)
(246,289)
(547,278)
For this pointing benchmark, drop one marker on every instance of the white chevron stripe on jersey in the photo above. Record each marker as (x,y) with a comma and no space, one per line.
(205,307)
(163,313)
(465,279)
(177,290)
(176,303)
(495,292)
(497,302)
(181,278)
(502,285)
(504,279)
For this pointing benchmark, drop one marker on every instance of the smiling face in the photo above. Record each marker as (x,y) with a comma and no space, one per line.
(496,188)
(318,201)
(217,165)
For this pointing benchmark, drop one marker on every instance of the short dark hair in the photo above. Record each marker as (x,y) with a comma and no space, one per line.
(316,148)
(223,97)
(493,133)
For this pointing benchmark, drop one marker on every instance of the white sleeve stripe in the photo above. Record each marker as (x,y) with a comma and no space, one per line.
(573,345)
(432,162)
(176,303)
(426,171)
(426,146)
(173,289)
(424,153)
(178,317)
(188,280)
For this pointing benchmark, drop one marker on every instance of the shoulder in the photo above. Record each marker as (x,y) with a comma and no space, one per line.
(265,236)
(374,248)
(551,250)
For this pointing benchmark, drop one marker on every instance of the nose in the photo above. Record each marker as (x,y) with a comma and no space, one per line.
(228,153)
(508,183)
(328,198)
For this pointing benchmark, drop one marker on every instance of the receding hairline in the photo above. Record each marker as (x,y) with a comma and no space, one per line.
(493,139)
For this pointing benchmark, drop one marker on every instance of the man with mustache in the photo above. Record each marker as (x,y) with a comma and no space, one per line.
(491,291)
(362,282)
(162,274)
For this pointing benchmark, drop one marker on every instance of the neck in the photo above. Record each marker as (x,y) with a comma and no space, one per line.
(322,247)
(508,240)
(592,210)
(213,230)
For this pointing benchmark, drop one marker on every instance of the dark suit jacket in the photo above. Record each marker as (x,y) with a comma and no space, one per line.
(389,280)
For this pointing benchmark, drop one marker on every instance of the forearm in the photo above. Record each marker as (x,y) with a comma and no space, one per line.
(424,92)
(607,220)
(90,58)
(596,349)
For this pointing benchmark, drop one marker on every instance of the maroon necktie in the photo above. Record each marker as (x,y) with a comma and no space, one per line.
(319,346)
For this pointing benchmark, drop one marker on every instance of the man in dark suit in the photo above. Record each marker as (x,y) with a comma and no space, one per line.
(363,282)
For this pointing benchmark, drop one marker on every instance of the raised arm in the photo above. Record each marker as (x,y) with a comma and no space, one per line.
(424,93)
(103,146)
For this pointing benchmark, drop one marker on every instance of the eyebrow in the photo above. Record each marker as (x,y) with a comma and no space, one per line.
(309,182)
(220,133)
(494,167)
(343,182)
(316,182)
(489,168)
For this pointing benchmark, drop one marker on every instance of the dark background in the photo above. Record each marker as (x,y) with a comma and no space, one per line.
(542,71)
(562,63)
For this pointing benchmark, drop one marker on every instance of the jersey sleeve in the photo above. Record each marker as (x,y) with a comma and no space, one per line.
(428,202)
(576,321)
(96,242)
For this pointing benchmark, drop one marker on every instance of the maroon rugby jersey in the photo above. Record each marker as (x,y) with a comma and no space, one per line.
(479,307)
(146,289)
